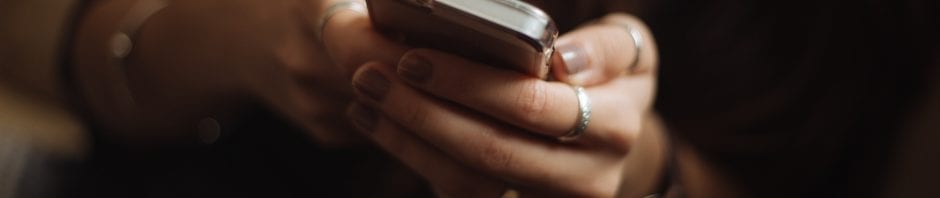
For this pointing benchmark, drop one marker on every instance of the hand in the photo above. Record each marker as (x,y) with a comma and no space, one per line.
(202,58)
(474,130)
(318,91)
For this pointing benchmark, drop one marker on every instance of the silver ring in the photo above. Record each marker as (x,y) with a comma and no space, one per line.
(637,42)
(355,6)
(584,115)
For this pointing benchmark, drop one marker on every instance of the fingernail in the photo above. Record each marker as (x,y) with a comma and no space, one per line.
(373,84)
(574,56)
(415,68)
(363,117)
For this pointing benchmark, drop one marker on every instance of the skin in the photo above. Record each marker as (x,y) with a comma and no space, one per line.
(470,130)
(494,127)
(187,65)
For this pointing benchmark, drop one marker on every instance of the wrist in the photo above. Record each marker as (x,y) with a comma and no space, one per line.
(92,71)
(133,93)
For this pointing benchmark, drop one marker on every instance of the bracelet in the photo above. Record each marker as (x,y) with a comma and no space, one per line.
(121,43)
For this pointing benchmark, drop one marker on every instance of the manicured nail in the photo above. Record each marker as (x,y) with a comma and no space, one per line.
(373,84)
(363,117)
(574,56)
(414,68)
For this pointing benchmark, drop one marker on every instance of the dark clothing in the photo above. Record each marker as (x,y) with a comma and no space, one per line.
(264,157)
(794,98)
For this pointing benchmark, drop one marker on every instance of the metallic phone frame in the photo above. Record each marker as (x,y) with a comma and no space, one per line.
(523,31)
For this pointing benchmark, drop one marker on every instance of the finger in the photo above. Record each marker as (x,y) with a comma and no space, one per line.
(489,146)
(351,41)
(546,108)
(449,178)
(599,52)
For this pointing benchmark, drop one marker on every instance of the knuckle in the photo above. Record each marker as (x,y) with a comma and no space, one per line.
(532,101)
(415,117)
(620,142)
(623,136)
(496,158)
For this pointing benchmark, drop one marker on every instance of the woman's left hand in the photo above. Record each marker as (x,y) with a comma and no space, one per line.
(451,119)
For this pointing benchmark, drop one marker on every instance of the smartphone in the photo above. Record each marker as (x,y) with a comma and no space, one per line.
(504,33)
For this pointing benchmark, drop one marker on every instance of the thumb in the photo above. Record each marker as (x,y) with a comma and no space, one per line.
(599,52)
